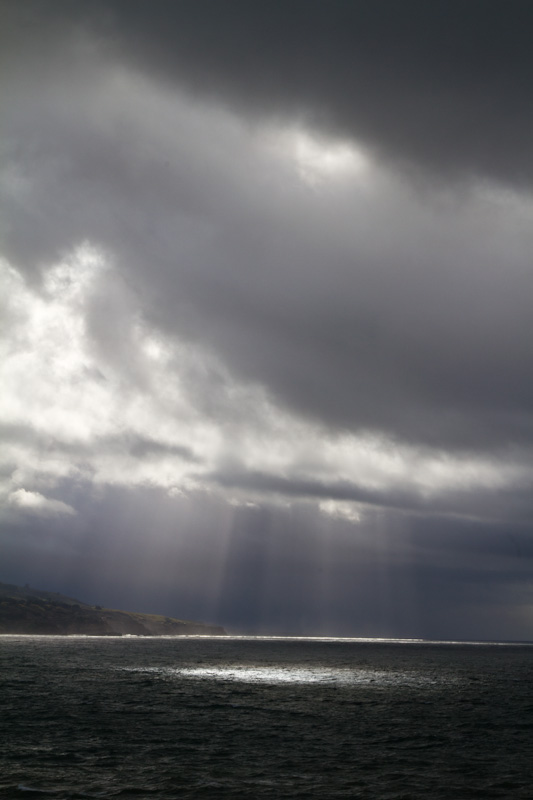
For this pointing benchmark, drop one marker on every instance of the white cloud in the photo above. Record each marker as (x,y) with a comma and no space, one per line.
(206,220)
(84,409)
(38,504)
(317,160)
(350,512)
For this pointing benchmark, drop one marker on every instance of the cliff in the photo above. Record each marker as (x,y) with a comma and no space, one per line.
(24,610)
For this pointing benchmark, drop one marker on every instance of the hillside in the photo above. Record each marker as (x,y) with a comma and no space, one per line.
(24,610)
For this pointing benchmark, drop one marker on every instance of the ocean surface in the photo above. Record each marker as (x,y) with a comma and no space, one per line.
(264,718)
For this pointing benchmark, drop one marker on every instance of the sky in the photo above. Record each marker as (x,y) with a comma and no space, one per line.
(266,334)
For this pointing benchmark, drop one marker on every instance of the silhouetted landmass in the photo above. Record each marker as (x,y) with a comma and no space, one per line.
(24,610)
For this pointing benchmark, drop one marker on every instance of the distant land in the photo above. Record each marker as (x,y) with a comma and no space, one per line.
(24,610)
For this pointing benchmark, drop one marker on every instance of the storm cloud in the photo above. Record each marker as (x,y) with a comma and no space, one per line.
(272,258)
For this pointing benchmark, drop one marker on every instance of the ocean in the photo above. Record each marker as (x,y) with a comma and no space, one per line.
(245,717)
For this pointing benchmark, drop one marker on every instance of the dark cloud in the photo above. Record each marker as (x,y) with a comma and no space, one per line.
(512,504)
(134,445)
(384,312)
(141,446)
(314,227)
(442,85)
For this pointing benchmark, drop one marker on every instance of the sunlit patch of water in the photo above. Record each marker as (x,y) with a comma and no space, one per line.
(294,675)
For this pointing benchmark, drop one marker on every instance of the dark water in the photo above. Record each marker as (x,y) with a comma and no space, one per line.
(230,718)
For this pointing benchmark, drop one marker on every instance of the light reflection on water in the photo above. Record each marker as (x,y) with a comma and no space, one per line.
(294,675)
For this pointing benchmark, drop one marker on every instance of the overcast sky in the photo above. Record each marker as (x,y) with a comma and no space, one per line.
(267,351)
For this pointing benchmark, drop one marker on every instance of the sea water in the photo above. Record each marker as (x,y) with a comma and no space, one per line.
(264,718)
